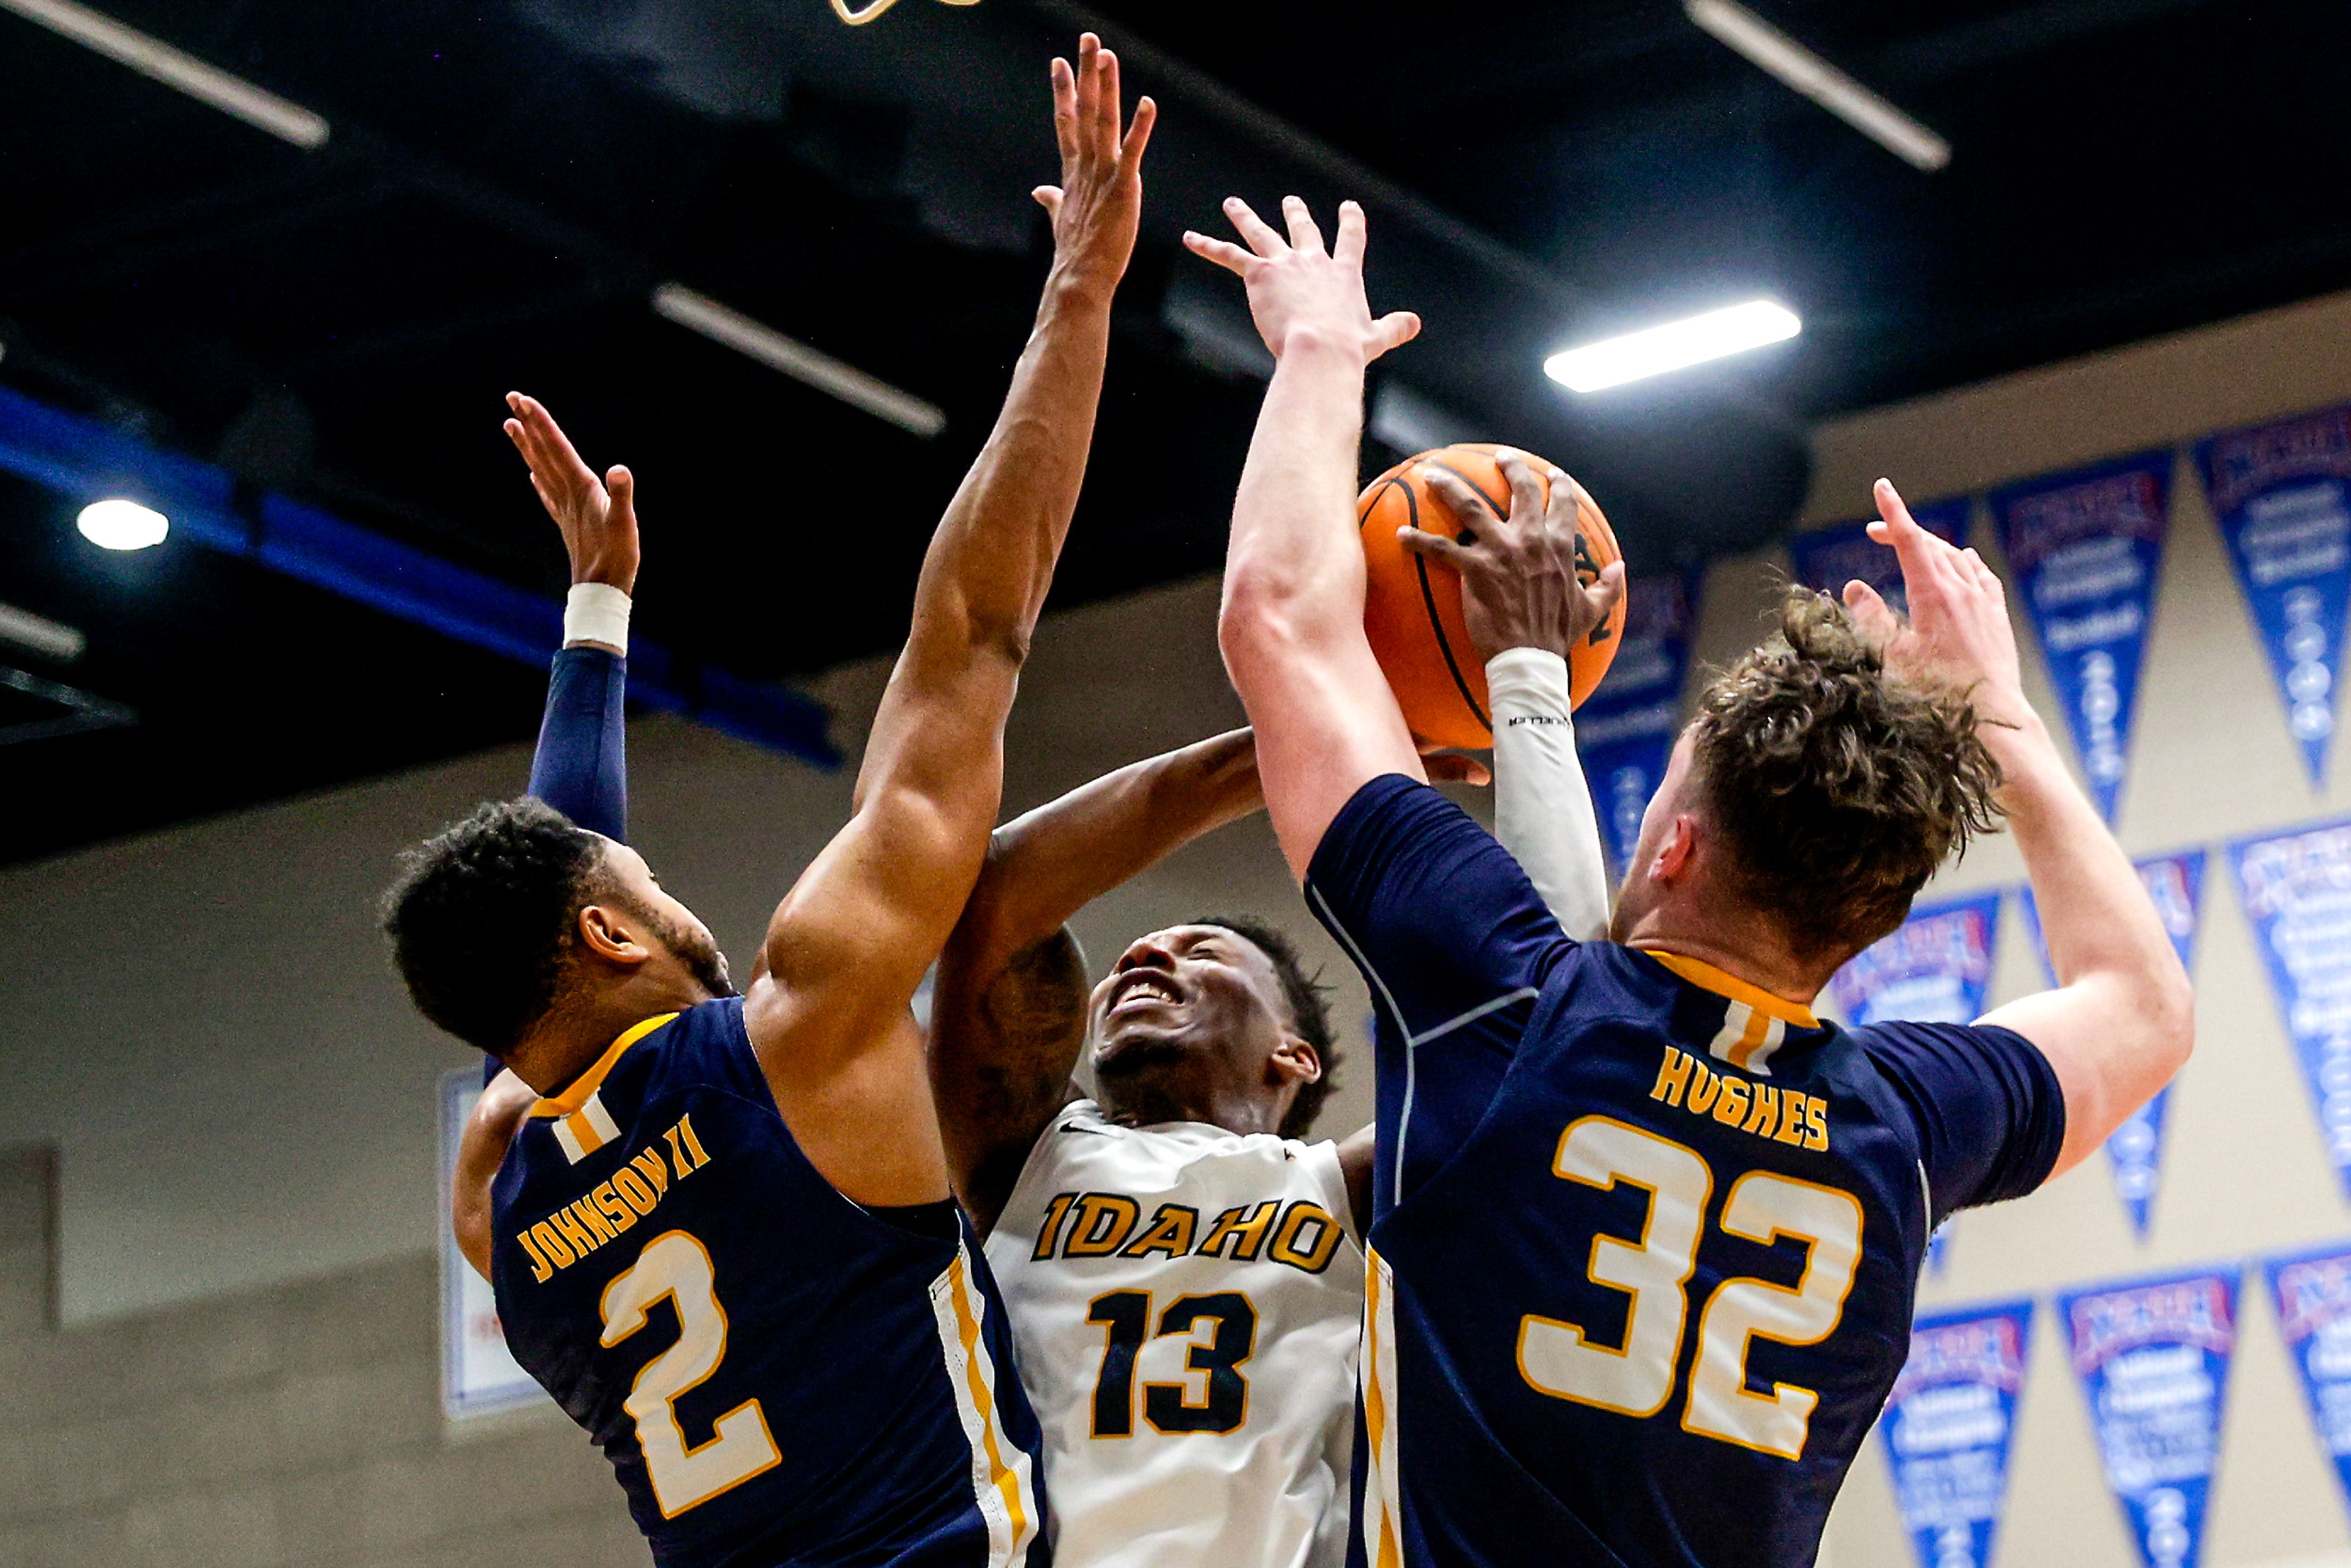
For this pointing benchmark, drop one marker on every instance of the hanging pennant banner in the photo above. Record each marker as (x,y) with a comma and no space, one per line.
(1934,969)
(1626,730)
(1947,1427)
(2296,889)
(2135,1149)
(2282,493)
(2313,1292)
(2085,548)
(1827,559)
(2153,1358)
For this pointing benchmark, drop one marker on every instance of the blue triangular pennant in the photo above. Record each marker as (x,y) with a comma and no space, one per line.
(2153,1359)
(2282,493)
(2312,1294)
(1934,969)
(2296,889)
(1949,1426)
(2135,1149)
(2085,548)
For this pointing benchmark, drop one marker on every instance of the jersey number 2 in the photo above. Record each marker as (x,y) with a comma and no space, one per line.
(1125,1317)
(1636,1377)
(683,1476)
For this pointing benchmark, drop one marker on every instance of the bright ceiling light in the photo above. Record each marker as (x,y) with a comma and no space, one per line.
(159,61)
(1613,362)
(122,525)
(1801,70)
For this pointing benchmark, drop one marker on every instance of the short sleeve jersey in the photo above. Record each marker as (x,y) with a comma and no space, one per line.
(1647,1237)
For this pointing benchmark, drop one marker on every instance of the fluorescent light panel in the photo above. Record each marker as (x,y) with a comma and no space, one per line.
(41,634)
(1613,362)
(159,61)
(757,341)
(1804,72)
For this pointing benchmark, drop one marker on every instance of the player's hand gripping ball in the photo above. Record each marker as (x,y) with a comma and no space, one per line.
(1412,606)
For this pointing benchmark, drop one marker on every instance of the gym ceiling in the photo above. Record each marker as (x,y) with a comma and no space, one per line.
(511,193)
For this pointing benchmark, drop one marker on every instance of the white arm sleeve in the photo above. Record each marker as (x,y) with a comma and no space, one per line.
(1542,809)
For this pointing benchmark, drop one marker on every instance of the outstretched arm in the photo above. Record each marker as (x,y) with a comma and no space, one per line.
(2121,1021)
(581,767)
(1008,1015)
(1291,626)
(1525,607)
(827,1009)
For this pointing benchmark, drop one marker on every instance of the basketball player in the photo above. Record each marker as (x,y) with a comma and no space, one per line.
(726,1241)
(1204,1095)
(1183,1269)
(1648,1230)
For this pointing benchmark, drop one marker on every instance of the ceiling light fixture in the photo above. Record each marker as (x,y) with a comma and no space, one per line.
(1801,70)
(159,61)
(757,341)
(49,639)
(1613,362)
(117,524)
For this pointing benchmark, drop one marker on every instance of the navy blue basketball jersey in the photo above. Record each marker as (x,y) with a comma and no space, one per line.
(1647,1237)
(777,1374)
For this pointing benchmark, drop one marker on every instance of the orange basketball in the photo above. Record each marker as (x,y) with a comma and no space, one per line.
(1411,610)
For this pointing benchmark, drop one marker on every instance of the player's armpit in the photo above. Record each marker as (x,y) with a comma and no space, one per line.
(1003,1045)
(490,1131)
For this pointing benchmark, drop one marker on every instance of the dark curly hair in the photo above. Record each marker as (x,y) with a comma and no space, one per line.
(1310,1013)
(481,918)
(1839,788)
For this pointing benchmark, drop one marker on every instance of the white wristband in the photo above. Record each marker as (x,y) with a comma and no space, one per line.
(597,612)
(1530,685)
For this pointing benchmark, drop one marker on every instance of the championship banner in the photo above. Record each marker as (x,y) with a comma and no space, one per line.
(2085,548)
(1947,1427)
(1934,969)
(2135,1149)
(2283,495)
(478,1375)
(2297,888)
(2313,1293)
(1826,559)
(1626,730)
(2153,1358)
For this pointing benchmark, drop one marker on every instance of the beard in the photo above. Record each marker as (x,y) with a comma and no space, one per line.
(695,949)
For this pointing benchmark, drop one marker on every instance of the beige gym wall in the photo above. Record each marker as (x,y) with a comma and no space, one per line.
(202,1022)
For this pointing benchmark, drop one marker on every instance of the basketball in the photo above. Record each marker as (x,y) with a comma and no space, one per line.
(1412,607)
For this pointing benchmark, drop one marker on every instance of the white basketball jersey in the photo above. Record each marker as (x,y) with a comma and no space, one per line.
(1186,1304)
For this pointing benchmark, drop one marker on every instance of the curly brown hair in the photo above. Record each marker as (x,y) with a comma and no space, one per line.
(1839,790)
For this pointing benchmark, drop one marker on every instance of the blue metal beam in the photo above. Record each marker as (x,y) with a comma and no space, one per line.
(85,460)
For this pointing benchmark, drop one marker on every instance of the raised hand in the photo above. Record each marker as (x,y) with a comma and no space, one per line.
(1098,202)
(1958,633)
(1519,586)
(598,516)
(1300,295)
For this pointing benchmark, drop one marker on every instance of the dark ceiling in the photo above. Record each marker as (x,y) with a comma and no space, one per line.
(505,185)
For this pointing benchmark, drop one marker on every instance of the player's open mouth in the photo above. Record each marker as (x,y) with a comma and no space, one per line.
(1144,990)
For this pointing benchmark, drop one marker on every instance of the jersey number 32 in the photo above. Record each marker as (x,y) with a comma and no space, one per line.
(1636,1377)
